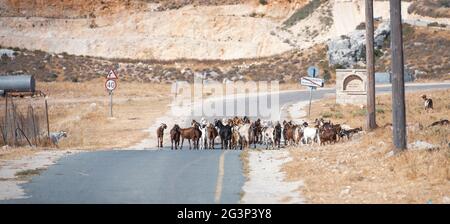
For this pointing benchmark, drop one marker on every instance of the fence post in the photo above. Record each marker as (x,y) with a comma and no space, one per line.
(46,116)
(5,136)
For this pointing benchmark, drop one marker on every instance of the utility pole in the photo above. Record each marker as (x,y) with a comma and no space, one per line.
(398,82)
(370,61)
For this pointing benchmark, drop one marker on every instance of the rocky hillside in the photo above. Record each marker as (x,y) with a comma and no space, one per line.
(431,8)
(426,58)
(162,41)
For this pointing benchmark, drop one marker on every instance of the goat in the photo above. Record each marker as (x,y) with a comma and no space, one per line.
(160,134)
(225,134)
(212,134)
(337,129)
(327,135)
(244,135)
(192,133)
(310,133)
(428,103)
(289,133)
(349,133)
(235,138)
(203,139)
(277,135)
(55,137)
(175,136)
(298,134)
(268,139)
(252,132)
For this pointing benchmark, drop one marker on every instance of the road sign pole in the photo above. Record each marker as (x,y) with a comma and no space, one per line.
(110,103)
(310,99)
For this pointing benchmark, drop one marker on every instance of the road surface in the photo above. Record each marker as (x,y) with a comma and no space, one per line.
(155,176)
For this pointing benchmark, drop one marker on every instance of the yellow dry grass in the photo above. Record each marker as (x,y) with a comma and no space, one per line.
(82,109)
(362,170)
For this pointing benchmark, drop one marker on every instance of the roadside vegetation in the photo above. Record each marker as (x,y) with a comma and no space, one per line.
(364,170)
(303,13)
(82,110)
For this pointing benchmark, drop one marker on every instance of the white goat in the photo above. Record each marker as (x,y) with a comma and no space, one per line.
(244,134)
(203,139)
(310,133)
(268,137)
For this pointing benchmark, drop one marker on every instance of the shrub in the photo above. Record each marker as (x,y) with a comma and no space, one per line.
(359,113)
(326,114)
(380,111)
(302,13)
(338,115)
(263,2)
(361,26)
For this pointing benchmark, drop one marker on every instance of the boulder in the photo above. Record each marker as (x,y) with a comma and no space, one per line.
(349,50)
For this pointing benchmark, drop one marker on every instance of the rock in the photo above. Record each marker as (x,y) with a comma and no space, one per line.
(7,52)
(350,50)
(421,145)
(446,200)
(390,154)
(345,192)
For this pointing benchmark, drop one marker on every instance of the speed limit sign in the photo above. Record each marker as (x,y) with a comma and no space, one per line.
(110,84)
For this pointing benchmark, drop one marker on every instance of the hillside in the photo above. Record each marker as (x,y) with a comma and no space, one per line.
(162,41)
(431,8)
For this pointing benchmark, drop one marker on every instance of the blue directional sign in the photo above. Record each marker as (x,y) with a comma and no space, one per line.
(313,72)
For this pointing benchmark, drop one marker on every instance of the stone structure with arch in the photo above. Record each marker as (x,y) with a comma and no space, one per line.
(351,86)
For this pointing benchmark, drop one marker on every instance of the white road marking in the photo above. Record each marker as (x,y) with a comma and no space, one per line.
(220,178)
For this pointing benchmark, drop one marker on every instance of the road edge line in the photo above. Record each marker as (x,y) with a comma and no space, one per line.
(221,172)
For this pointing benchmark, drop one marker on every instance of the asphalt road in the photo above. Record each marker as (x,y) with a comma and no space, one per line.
(158,176)
(163,176)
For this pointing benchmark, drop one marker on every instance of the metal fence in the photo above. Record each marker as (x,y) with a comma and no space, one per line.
(24,121)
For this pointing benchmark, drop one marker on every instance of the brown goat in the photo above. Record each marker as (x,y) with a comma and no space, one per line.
(160,134)
(289,132)
(192,133)
(212,134)
(327,135)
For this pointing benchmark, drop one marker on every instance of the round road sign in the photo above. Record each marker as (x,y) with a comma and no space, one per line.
(313,72)
(111,84)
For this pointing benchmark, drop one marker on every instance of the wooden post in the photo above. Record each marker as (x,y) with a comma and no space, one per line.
(370,60)
(5,136)
(398,84)
(46,115)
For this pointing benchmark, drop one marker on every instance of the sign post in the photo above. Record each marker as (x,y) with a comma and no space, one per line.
(110,86)
(312,82)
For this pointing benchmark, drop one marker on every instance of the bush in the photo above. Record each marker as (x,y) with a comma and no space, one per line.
(361,26)
(380,111)
(359,113)
(326,75)
(435,24)
(338,115)
(302,13)
(263,2)
(326,114)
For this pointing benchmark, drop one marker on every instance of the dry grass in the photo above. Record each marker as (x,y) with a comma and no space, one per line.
(364,166)
(82,109)
(86,118)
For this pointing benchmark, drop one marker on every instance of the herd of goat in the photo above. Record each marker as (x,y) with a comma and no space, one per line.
(240,133)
